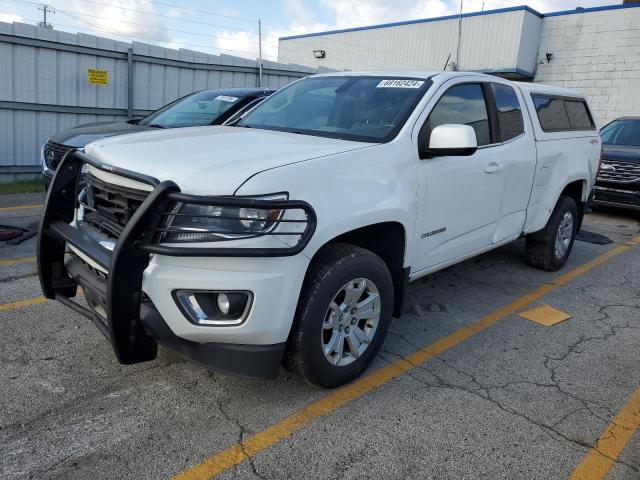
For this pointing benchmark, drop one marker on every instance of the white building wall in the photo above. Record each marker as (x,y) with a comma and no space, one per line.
(598,53)
(488,41)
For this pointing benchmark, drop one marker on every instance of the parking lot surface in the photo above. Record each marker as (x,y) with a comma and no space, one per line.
(464,386)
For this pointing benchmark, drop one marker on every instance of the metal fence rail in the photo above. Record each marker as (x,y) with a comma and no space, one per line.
(44,87)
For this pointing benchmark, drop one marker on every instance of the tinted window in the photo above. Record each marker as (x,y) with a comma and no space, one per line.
(578,115)
(551,113)
(622,132)
(369,109)
(509,111)
(463,104)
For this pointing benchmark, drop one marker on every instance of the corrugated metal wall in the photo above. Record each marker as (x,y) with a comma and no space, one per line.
(491,41)
(44,87)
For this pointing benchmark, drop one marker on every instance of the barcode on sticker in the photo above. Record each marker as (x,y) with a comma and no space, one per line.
(226,98)
(400,84)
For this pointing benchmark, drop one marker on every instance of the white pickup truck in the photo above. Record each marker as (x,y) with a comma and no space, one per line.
(290,236)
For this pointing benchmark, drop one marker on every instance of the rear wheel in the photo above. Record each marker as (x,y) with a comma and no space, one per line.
(549,248)
(343,316)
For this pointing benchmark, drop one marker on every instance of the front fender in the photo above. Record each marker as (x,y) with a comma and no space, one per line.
(348,190)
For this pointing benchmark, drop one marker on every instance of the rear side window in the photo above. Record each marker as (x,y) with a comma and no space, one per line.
(552,114)
(578,114)
(557,114)
(509,111)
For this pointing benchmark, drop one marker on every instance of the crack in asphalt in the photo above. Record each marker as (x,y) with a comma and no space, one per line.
(222,407)
(548,429)
(552,429)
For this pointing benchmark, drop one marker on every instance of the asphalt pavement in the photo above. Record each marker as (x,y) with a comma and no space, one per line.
(463,388)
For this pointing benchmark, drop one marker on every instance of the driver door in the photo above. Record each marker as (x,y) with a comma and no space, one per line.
(459,196)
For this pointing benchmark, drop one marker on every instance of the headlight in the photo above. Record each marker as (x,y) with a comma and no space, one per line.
(42,159)
(208,223)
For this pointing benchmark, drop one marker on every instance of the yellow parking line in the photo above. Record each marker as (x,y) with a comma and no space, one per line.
(16,261)
(30,301)
(598,461)
(21,303)
(19,207)
(237,453)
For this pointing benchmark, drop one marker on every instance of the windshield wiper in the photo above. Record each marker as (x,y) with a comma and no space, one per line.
(155,125)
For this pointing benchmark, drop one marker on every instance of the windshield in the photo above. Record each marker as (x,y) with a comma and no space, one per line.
(622,132)
(197,109)
(366,109)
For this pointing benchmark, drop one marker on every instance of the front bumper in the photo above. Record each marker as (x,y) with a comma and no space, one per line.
(128,289)
(617,197)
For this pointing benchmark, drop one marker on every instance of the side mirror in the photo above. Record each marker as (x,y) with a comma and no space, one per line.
(451,140)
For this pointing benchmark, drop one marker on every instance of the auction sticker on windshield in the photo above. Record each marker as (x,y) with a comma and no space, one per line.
(226,98)
(400,84)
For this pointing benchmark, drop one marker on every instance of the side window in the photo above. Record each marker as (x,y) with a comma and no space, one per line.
(462,104)
(578,114)
(558,114)
(551,113)
(509,111)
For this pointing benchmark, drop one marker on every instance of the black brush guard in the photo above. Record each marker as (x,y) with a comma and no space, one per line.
(121,291)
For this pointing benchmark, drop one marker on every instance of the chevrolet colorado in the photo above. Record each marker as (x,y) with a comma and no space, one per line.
(290,236)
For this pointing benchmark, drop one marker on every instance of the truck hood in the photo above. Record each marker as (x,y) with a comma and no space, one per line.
(627,153)
(212,160)
(81,135)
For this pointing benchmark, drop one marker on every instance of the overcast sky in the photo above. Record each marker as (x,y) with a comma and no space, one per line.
(228,26)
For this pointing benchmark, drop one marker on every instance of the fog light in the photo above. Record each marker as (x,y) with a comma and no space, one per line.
(214,307)
(223,303)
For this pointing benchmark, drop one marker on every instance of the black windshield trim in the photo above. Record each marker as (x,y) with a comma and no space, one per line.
(346,136)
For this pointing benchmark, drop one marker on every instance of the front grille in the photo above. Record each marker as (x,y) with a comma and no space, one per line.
(108,207)
(53,153)
(624,171)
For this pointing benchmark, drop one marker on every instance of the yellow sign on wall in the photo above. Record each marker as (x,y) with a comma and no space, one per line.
(97,77)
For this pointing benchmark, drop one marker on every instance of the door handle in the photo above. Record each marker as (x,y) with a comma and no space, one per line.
(493,167)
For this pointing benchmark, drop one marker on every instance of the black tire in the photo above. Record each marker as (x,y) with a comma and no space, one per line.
(540,249)
(333,267)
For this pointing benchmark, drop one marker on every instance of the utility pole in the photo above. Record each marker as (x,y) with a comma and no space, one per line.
(45,9)
(459,37)
(260,53)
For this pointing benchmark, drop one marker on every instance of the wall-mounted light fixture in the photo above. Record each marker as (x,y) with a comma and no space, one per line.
(549,56)
(319,53)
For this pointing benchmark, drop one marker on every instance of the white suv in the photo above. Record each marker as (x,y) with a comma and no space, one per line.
(292,234)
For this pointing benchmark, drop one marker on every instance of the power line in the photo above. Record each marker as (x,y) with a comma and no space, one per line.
(336,42)
(348,44)
(284,47)
(100,28)
(165,28)
(154,39)
(204,12)
(146,12)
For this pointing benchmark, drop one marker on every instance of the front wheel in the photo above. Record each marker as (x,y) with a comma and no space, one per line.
(549,248)
(343,316)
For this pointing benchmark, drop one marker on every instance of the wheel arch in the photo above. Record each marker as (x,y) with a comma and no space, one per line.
(579,191)
(544,199)
(388,240)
